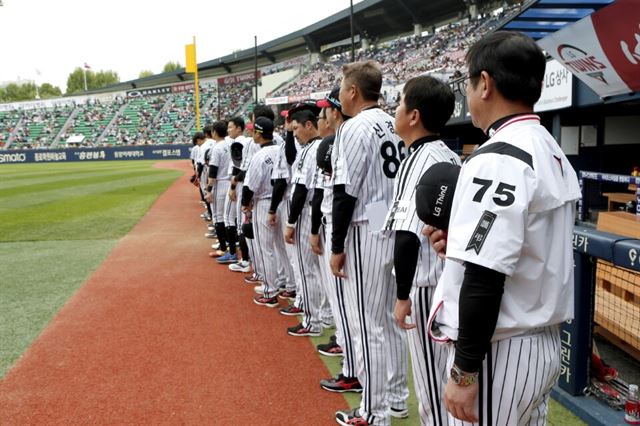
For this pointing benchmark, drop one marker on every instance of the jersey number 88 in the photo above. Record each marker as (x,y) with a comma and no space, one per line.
(391,157)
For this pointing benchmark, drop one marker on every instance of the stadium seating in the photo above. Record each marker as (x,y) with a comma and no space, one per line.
(8,122)
(91,120)
(39,127)
(441,52)
(169,118)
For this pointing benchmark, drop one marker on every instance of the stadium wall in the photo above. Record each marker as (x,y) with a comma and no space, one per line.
(151,152)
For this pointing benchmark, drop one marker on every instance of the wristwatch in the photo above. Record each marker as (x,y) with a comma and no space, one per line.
(461,378)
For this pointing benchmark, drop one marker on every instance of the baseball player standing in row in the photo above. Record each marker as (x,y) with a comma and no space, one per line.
(367,155)
(218,184)
(508,279)
(298,226)
(280,208)
(204,153)
(237,147)
(256,200)
(425,107)
(341,343)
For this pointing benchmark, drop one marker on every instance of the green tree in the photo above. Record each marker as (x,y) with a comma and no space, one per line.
(18,92)
(95,80)
(171,66)
(49,91)
(145,73)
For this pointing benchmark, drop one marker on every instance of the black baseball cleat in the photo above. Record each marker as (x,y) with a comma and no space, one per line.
(341,384)
(331,348)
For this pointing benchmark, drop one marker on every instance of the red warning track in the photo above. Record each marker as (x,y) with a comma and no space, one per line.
(159,334)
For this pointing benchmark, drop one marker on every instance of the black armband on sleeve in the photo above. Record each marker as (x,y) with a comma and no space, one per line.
(316,210)
(279,188)
(213,172)
(297,202)
(405,261)
(240,176)
(478,310)
(200,169)
(247,196)
(235,170)
(341,214)
(290,149)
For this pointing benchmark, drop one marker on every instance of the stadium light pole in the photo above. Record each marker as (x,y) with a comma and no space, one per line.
(353,45)
(255,69)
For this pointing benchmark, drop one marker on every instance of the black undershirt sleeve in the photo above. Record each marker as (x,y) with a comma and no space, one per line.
(240,176)
(213,172)
(200,168)
(247,196)
(479,306)
(279,188)
(405,261)
(297,202)
(316,210)
(290,149)
(235,170)
(341,214)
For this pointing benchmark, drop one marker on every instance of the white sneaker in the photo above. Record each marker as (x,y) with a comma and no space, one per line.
(399,413)
(259,289)
(215,246)
(242,266)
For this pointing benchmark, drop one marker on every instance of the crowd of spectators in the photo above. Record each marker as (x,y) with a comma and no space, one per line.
(92,119)
(440,51)
(40,126)
(169,118)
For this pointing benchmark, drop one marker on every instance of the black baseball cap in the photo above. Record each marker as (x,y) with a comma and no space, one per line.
(434,194)
(332,100)
(264,126)
(323,154)
(300,106)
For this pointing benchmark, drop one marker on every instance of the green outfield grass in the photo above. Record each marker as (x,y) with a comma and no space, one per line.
(558,415)
(58,222)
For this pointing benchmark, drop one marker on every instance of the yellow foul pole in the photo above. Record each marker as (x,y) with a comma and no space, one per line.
(192,67)
(196,89)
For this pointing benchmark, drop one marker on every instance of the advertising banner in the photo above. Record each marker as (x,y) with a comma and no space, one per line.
(557,89)
(146,152)
(603,49)
(239,78)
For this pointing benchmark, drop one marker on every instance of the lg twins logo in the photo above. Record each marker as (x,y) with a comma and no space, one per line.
(632,55)
(582,62)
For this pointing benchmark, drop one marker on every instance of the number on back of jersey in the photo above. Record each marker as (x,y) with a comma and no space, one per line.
(392,156)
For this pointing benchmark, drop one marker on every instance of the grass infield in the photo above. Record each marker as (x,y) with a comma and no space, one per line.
(58,222)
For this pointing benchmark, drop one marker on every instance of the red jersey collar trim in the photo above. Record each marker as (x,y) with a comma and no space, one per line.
(519,118)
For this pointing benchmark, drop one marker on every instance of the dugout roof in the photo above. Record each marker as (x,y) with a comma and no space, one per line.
(541,18)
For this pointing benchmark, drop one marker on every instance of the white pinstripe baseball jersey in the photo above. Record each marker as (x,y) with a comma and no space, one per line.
(304,167)
(402,214)
(221,158)
(208,143)
(258,178)
(513,212)
(367,155)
